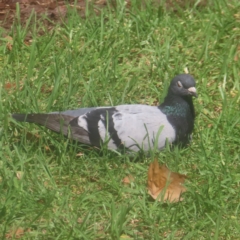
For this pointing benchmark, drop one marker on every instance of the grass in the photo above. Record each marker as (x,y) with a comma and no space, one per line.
(54,188)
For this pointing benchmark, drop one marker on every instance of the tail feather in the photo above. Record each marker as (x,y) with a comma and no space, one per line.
(56,122)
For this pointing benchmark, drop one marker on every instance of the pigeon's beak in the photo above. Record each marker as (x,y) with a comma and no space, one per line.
(192,91)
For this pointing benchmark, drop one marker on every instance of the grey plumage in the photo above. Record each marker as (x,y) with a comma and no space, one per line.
(132,127)
(76,112)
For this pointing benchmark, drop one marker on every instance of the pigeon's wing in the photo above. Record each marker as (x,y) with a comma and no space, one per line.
(56,122)
(143,127)
(75,112)
(132,126)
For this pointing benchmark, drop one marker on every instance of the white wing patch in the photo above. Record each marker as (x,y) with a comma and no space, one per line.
(82,122)
(105,135)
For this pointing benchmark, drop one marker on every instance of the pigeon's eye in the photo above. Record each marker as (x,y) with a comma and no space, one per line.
(179,84)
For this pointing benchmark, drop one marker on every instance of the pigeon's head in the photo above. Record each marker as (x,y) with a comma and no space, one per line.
(183,85)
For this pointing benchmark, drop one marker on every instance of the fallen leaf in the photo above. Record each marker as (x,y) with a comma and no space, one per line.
(9,42)
(18,233)
(128,179)
(162,181)
(10,86)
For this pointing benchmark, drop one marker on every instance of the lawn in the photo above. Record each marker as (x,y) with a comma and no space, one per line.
(54,188)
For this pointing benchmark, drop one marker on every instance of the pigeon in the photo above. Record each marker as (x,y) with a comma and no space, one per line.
(131,127)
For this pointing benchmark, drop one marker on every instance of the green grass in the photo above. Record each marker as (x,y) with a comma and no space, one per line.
(121,56)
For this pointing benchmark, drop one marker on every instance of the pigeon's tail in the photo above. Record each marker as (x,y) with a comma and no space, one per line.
(56,122)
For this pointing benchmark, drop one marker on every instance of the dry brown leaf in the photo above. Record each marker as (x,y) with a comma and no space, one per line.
(9,42)
(128,179)
(10,86)
(162,181)
(18,233)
